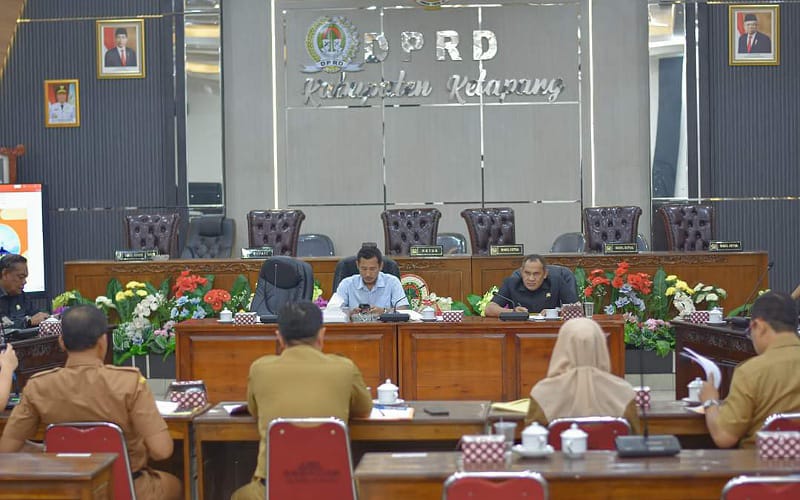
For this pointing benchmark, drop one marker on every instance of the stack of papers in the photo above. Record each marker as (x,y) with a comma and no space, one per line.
(706,364)
(398,413)
(518,406)
(166,407)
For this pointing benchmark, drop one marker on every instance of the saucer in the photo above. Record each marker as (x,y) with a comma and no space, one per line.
(546,451)
(229,322)
(690,401)
(716,322)
(536,317)
(426,320)
(397,402)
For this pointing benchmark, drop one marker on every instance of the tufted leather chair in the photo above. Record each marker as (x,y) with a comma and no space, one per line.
(610,225)
(403,228)
(278,229)
(688,228)
(210,237)
(148,231)
(489,226)
(281,280)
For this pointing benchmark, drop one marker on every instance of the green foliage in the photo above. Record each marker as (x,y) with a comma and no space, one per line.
(460,306)
(657,302)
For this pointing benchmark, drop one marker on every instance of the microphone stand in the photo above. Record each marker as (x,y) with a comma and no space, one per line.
(512,315)
(394,316)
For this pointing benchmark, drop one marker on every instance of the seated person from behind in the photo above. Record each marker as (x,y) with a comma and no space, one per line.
(16,311)
(86,390)
(371,286)
(8,363)
(533,288)
(763,385)
(579,382)
(301,382)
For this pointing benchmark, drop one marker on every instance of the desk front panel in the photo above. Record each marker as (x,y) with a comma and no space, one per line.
(38,475)
(221,355)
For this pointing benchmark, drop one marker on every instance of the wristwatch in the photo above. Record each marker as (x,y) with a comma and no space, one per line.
(709,403)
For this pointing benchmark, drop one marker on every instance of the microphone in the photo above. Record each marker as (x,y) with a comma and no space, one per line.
(272,317)
(394,316)
(512,315)
(665,445)
(755,289)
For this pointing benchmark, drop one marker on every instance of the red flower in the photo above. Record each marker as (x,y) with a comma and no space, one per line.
(186,283)
(587,292)
(216,298)
(617,282)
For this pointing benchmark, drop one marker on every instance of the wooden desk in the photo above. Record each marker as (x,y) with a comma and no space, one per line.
(26,476)
(452,276)
(737,273)
(216,426)
(180,429)
(724,345)
(221,355)
(480,358)
(696,474)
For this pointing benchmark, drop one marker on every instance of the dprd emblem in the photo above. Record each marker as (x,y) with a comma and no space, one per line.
(332,43)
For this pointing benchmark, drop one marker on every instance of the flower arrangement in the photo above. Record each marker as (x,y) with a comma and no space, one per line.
(596,287)
(651,335)
(709,294)
(479,302)
(681,294)
(628,291)
(68,299)
(317,297)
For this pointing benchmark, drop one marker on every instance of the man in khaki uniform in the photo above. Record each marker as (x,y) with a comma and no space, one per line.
(301,382)
(762,385)
(86,390)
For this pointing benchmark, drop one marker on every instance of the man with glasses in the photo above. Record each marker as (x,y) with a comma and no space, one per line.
(763,385)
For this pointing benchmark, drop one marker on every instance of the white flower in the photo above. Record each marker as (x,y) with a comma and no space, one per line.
(708,288)
(712,297)
(103,301)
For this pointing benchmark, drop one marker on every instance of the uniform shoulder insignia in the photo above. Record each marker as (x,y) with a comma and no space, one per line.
(51,370)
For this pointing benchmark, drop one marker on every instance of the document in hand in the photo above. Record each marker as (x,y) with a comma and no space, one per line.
(706,364)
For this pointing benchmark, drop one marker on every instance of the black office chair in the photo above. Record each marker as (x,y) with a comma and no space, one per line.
(452,243)
(210,237)
(348,267)
(281,280)
(314,245)
(568,243)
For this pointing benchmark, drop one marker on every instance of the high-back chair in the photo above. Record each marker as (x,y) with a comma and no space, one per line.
(568,243)
(762,487)
(153,231)
(782,422)
(489,226)
(452,243)
(610,225)
(315,245)
(210,237)
(279,229)
(309,459)
(403,228)
(688,228)
(601,430)
(525,485)
(94,437)
(282,280)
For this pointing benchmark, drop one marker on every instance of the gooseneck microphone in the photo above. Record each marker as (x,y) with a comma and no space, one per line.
(394,316)
(743,321)
(759,281)
(512,315)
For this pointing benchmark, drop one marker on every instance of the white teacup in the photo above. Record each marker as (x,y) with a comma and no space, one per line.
(428,313)
(574,442)
(534,437)
(388,393)
(225,315)
(550,313)
(694,389)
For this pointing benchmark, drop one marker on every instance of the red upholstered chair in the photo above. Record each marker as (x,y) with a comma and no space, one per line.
(758,488)
(495,485)
(279,229)
(601,430)
(308,459)
(782,422)
(94,437)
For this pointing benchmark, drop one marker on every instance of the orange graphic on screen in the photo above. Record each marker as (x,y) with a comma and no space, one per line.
(14,230)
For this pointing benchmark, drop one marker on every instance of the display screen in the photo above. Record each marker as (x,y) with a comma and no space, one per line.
(22,228)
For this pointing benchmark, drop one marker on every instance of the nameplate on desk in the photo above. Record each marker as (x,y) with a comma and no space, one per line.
(725,246)
(256,253)
(123,255)
(507,250)
(426,251)
(619,248)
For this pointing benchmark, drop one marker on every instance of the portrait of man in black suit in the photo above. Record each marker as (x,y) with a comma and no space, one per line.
(754,35)
(753,41)
(121,55)
(120,48)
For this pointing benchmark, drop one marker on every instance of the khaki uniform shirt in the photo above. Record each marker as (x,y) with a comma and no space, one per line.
(761,386)
(631,414)
(303,382)
(90,392)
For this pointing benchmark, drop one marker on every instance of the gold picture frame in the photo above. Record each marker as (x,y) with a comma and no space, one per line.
(62,104)
(754,35)
(120,48)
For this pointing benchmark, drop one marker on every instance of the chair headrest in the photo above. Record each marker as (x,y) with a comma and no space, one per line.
(209,226)
(282,272)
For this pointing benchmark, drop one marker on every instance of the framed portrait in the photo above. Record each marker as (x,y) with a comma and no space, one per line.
(120,48)
(62,104)
(754,35)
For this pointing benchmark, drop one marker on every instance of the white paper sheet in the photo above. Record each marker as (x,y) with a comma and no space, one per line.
(166,407)
(706,364)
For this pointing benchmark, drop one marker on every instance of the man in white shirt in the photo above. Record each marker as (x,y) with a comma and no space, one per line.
(61,111)
(371,287)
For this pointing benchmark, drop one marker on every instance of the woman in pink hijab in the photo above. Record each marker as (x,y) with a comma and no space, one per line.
(579,382)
